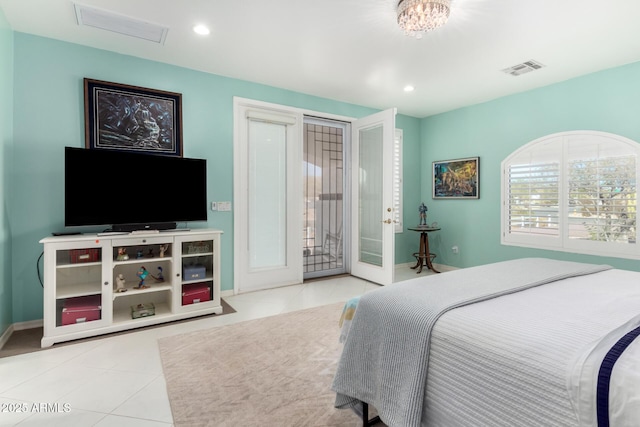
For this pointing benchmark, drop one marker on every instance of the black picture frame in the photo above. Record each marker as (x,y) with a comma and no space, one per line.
(456,179)
(132,118)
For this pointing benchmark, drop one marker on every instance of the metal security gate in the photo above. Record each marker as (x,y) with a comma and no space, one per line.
(324,192)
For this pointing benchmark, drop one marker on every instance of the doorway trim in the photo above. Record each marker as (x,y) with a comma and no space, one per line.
(240,167)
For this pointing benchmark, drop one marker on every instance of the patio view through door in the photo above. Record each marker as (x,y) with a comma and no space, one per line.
(324,233)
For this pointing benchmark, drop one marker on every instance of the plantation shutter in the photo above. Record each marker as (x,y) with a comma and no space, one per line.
(397,181)
(533,198)
(573,192)
(602,192)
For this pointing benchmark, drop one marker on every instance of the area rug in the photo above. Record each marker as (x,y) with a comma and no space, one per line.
(276,371)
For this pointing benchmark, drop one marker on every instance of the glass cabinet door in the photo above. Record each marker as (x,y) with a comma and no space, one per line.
(198,274)
(78,287)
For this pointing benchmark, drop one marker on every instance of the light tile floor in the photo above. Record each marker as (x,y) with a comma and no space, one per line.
(118,380)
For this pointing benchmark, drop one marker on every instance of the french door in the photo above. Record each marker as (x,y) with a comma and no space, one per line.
(267,193)
(372,216)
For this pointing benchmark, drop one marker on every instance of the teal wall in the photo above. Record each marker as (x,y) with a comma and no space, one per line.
(407,241)
(42,110)
(48,115)
(6,144)
(607,101)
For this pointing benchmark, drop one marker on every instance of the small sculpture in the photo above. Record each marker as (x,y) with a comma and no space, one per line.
(122,254)
(150,253)
(423,214)
(139,254)
(163,249)
(142,275)
(120,283)
(159,276)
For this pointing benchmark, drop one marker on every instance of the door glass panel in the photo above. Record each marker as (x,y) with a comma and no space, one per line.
(267,195)
(323,173)
(370,207)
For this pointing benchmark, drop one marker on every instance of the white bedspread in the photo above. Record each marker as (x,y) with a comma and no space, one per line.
(385,358)
(519,360)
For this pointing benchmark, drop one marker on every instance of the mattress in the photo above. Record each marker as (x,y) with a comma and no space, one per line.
(529,359)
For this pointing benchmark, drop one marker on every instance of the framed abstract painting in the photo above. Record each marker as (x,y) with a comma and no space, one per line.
(456,179)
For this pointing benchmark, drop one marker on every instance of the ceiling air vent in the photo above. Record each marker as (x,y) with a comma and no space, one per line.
(120,24)
(523,68)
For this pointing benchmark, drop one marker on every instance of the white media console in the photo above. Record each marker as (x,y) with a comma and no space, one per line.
(98,284)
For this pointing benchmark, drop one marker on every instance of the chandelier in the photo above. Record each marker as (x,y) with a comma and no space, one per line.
(419,16)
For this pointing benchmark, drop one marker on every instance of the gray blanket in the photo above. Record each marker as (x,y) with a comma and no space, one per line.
(385,358)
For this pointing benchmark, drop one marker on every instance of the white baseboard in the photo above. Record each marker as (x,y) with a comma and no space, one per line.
(4,338)
(443,267)
(439,267)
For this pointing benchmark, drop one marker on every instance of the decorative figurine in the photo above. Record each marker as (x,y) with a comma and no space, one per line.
(120,283)
(142,275)
(423,214)
(122,254)
(139,254)
(150,253)
(163,249)
(159,276)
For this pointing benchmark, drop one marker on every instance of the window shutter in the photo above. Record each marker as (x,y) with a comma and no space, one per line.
(533,199)
(573,192)
(602,198)
(397,180)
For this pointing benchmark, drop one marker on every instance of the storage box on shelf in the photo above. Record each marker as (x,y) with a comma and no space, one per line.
(195,293)
(81,309)
(92,282)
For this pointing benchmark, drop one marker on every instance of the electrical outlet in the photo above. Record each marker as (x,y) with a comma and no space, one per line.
(455,249)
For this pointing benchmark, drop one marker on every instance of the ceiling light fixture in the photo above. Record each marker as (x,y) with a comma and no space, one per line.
(201,29)
(409,88)
(419,16)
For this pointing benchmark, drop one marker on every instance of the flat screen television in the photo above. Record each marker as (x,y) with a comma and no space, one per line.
(130,191)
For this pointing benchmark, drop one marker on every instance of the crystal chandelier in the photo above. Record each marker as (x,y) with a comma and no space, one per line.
(419,16)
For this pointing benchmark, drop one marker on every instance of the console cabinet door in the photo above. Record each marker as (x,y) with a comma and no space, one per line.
(198,271)
(76,286)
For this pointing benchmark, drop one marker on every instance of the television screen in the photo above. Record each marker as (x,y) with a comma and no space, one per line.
(132,191)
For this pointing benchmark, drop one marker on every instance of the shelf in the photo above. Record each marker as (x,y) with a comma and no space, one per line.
(122,316)
(197,255)
(78,290)
(131,291)
(79,264)
(133,261)
(204,279)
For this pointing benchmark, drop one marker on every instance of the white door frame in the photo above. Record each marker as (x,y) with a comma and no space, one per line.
(384,219)
(244,279)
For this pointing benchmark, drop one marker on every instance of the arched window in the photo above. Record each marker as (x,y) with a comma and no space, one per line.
(574,192)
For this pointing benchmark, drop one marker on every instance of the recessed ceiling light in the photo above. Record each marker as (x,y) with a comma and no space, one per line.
(409,88)
(201,29)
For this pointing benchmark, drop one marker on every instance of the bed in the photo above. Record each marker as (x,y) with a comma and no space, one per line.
(528,342)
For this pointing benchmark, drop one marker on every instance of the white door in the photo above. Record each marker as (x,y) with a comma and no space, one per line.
(268,213)
(372,248)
